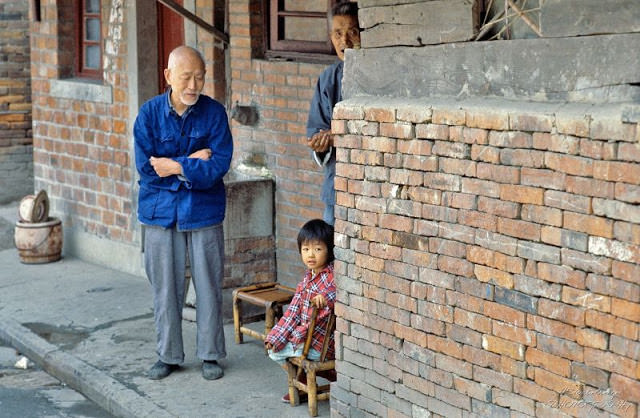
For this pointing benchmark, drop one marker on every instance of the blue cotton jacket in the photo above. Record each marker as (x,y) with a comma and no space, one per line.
(328,92)
(197,198)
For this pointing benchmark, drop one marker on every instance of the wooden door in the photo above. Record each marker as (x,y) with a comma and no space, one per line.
(170,36)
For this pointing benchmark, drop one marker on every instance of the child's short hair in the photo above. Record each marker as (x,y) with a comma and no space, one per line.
(317,230)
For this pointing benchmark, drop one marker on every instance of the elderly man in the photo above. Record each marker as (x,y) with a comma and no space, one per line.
(183,148)
(345,33)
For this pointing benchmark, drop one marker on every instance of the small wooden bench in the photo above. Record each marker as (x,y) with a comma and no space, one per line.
(273,296)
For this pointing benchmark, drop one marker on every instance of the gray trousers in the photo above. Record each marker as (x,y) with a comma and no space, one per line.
(165,252)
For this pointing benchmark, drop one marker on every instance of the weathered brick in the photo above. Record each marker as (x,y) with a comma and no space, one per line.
(458,367)
(496,119)
(557,383)
(625,271)
(510,139)
(551,327)
(538,252)
(460,200)
(586,299)
(617,210)
(627,192)
(522,158)
(578,166)
(496,242)
(379,114)
(514,402)
(522,194)
(498,207)
(610,286)
(626,388)
(589,187)
(516,300)
(478,220)
(401,130)
(480,187)
(487,154)
(533,391)
(562,312)
(473,389)
(498,173)
(625,309)
(451,149)
(504,313)
(562,275)
(519,229)
(590,375)
(432,131)
(471,320)
(414,114)
(611,324)
(493,378)
(588,337)
(617,171)
(585,261)
(456,166)
(484,409)
(610,361)
(449,116)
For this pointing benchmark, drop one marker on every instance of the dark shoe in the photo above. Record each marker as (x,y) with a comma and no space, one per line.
(211,370)
(161,370)
(301,396)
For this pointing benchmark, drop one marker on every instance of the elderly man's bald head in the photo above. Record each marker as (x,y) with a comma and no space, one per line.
(184,52)
(185,74)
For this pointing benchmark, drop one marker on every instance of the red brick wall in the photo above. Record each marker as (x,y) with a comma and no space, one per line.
(16,160)
(489,259)
(281,92)
(81,147)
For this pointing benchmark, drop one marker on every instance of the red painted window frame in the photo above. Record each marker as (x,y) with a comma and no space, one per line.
(277,43)
(81,42)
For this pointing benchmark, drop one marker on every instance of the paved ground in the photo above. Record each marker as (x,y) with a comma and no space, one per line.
(92,328)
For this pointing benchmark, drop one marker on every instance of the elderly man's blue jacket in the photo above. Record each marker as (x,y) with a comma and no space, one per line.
(197,198)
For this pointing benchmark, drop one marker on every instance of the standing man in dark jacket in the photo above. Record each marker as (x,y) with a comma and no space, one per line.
(183,148)
(344,33)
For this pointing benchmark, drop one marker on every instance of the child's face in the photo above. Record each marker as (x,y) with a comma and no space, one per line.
(314,254)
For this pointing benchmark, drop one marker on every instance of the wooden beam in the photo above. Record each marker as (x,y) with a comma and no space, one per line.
(176,7)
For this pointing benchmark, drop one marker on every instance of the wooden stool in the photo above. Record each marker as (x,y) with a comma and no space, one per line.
(272,296)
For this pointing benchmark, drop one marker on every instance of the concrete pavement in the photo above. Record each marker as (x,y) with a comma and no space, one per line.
(92,328)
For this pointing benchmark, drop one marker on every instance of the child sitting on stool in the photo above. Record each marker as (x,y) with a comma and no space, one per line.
(317,288)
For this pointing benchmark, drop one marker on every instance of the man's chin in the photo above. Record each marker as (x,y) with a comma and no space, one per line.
(190,100)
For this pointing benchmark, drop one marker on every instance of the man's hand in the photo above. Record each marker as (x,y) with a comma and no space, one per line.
(319,301)
(203,154)
(321,141)
(165,167)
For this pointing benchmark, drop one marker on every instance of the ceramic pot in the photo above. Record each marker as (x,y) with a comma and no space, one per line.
(39,242)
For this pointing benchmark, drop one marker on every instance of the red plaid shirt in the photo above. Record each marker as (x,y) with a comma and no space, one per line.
(293,325)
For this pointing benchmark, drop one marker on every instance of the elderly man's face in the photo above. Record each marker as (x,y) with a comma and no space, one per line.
(186,79)
(345,33)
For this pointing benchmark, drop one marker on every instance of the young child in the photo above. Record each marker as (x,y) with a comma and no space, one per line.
(317,288)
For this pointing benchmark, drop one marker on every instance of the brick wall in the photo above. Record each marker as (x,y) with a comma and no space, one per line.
(488,259)
(281,92)
(81,146)
(16,159)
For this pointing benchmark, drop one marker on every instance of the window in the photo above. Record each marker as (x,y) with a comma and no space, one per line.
(300,26)
(89,39)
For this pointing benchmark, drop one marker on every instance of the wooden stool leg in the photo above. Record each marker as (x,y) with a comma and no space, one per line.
(269,317)
(237,318)
(312,392)
(294,397)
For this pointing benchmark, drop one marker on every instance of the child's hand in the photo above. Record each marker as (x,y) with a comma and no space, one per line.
(269,346)
(319,301)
